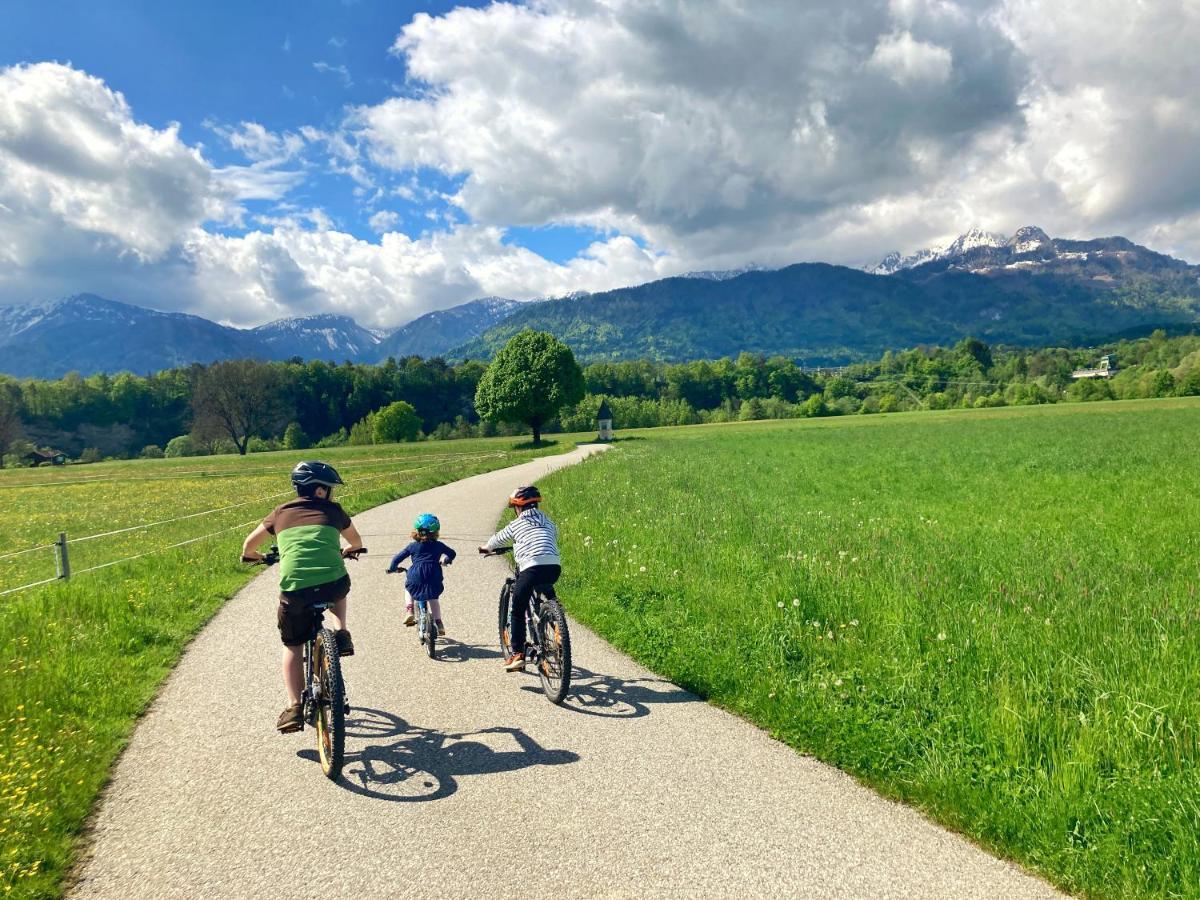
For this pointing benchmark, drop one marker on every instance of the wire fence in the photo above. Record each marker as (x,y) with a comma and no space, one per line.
(64,571)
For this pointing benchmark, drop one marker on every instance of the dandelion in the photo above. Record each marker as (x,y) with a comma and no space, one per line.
(837,682)
(642,569)
(780,604)
(795,601)
(941,635)
(854,623)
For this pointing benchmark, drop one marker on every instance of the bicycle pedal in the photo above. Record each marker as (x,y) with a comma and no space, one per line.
(292,729)
(346,709)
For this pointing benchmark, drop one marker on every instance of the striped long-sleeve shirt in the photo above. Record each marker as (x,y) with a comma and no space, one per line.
(533,537)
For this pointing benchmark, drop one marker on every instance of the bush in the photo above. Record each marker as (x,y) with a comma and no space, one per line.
(259,445)
(151,451)
(294,437)
(363,431)
(337,439)
(183,445)
(90,455)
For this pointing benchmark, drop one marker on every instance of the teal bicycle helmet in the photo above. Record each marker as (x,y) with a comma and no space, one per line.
(427,522)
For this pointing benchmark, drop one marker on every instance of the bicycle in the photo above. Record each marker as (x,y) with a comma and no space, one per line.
(426,627)
(324,699)
(547,639)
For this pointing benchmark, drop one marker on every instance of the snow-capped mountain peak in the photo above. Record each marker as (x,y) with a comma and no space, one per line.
(1029,239)
(973,239)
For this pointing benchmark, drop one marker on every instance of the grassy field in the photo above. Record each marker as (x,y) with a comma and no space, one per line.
(80,661)
(990,614)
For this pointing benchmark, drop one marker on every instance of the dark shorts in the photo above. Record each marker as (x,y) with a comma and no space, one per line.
(297,624)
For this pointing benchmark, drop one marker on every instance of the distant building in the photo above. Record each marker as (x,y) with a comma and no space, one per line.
(604,422)
(1106,369)
(52,457)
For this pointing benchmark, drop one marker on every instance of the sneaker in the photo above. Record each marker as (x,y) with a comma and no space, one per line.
(411,620)
(515,663)
(345,645)
(291,719)
(440,627)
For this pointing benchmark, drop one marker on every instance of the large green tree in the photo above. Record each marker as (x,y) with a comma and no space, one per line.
(396,422)
(530,380)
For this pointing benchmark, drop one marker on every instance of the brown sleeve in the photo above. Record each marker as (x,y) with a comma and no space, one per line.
(345,519)
(269,521)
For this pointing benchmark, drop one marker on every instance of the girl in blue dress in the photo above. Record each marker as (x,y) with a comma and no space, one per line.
(424,581)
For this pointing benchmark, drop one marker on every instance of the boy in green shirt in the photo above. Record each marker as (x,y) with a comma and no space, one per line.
(308,531)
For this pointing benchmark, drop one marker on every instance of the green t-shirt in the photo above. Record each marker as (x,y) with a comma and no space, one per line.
(307,531)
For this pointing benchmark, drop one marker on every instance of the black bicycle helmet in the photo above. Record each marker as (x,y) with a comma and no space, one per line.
(526,495)
(312,473)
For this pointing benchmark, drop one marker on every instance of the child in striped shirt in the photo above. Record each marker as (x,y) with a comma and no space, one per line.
(534,540)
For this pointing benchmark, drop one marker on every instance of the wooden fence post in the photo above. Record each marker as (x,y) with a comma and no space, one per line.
(61,557)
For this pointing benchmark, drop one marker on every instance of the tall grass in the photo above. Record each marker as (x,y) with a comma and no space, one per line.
(991,615)
(80,661)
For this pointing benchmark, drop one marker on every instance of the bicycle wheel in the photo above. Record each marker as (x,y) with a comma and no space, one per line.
(330,699)
(505,646)
(554,666)
(430,635)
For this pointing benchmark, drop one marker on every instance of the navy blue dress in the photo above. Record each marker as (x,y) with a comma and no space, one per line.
(424,581)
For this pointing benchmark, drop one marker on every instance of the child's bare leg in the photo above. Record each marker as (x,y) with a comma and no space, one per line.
(436,607)
(338,613)
(408,601)
(293,673)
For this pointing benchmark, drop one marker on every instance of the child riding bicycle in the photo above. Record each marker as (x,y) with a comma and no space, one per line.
(312,571)
(424,581)
(534,539)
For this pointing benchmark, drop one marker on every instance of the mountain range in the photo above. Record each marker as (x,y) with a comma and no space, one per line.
(89,334)
(1026,289)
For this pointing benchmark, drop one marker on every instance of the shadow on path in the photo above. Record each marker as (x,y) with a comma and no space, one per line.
(450,650)
(617,698)
(405,763)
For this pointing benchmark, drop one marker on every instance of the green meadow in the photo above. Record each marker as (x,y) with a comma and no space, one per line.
(79,661)
(989,614)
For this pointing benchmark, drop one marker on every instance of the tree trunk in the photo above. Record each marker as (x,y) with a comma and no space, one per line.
(536,425)
(243,444)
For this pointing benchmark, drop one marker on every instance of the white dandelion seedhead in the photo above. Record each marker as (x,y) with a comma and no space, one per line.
(780,604)
(795,601)
(642,569)
(941,635)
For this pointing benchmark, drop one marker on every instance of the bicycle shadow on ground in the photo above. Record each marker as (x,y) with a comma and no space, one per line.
(610,697)
(450,650)
(404,763)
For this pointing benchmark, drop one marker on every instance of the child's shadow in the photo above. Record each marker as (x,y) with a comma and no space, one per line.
(407,764)
(449,650)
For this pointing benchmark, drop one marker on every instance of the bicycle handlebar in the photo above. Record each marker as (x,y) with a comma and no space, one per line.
(268,559)
(353,554)
(500,551)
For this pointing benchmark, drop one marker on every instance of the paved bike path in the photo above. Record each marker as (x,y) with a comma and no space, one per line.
(462,781)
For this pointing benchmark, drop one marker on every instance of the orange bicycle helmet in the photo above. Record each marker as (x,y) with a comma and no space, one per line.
(526,495)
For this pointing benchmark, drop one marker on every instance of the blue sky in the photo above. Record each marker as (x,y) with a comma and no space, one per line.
(281,64)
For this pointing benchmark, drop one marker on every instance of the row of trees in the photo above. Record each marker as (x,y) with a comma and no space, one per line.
(535,384)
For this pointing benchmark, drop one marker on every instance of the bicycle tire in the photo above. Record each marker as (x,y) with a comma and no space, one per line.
(554,662)
(430,636)
(331,705)
(505,646)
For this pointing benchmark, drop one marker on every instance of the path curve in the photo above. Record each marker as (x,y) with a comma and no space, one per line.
(635,788)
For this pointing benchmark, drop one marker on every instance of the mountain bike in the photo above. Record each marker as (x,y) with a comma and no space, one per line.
(547,639)
(324,699)
(426,627)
